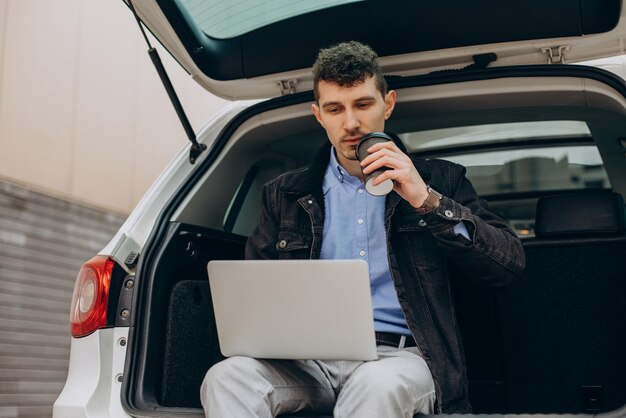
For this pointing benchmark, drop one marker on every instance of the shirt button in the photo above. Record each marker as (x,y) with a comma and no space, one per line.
(310,202)
(282,244)
(448,213)
(422,222)
(359,191)
(362,253)
(360,221)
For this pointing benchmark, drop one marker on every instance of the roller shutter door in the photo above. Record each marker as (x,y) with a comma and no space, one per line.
(43,242)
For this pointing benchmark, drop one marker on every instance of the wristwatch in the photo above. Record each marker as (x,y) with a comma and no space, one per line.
(431,202)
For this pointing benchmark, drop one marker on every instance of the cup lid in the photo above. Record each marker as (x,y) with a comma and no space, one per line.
(368,140)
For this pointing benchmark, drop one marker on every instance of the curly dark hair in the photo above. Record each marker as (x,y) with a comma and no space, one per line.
(347,64)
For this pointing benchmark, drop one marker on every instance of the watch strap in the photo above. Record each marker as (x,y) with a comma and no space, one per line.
(431,202)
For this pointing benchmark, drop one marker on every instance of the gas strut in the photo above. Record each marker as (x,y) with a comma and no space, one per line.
(196,148)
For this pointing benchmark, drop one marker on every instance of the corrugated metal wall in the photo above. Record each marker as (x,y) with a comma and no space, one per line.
(43,243)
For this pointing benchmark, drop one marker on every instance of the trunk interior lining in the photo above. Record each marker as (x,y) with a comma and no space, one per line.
(514,364)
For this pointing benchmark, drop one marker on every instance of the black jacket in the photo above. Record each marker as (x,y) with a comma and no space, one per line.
(420,250)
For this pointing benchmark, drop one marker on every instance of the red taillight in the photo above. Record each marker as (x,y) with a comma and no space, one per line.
(91,295)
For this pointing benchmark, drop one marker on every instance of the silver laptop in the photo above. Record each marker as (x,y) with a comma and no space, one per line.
(293,309)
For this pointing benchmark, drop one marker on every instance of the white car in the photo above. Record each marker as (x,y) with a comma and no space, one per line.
(487,84)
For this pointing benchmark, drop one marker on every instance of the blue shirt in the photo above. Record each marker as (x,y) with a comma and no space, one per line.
(354,227)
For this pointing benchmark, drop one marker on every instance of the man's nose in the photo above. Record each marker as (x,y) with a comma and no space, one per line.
(352,121)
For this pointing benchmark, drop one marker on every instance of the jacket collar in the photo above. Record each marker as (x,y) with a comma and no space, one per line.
(309,180)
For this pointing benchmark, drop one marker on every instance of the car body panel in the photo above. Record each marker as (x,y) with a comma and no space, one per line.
(92,388)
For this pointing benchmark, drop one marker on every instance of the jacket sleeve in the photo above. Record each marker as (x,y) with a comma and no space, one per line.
(261,243)
(494,254)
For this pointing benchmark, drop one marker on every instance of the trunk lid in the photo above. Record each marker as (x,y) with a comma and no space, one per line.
(262,50)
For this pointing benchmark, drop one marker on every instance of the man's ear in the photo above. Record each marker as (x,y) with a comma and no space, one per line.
(390,103)
(316,111)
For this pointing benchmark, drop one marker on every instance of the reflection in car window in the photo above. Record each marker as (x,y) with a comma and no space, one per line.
(518,157)
(226,19)
(512,164)
(492,133)
(500,175)
(534,169)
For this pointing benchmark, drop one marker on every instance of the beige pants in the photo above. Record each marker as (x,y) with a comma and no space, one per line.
(398,384)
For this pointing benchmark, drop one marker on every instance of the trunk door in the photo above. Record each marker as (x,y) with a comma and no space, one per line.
(257,49)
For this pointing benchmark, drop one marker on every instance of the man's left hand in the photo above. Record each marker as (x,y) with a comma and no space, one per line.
(407,182)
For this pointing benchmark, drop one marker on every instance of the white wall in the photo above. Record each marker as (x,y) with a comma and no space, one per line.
(83,114)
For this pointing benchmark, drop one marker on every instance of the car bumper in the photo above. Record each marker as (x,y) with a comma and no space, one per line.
(94,377)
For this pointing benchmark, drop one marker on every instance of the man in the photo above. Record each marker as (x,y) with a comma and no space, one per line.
(431,218)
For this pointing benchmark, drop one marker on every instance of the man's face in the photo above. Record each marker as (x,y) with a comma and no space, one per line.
(348,113)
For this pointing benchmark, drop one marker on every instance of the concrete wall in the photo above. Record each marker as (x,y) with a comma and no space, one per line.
(83,114)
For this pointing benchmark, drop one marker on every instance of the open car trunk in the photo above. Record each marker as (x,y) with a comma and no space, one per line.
(225,47)
(552,343)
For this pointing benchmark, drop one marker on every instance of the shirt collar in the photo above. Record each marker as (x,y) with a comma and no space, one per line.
(336,174)
(336,168)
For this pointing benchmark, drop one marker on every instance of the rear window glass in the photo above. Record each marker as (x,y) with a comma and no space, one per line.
(512,164)
(224,19)
(509,179)
(518,157)
(534,169)
(495,133)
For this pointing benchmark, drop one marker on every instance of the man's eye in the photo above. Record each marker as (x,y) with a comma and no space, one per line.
(363,105)
(332,109)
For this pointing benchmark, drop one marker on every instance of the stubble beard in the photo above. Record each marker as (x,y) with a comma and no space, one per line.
(349,153)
